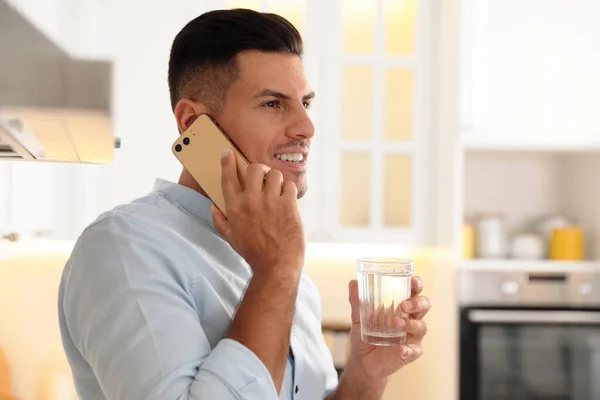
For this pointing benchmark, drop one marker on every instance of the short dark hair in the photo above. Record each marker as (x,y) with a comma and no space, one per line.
(203,60)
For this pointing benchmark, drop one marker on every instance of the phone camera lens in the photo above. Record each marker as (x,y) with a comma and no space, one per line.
(186,141)
(178,148)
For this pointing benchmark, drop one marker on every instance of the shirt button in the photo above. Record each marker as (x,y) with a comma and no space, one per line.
(296,389)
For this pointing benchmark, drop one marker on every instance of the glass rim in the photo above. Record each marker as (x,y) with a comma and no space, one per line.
(385,261)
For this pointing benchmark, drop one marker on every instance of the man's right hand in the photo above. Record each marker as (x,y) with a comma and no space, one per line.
(263,224)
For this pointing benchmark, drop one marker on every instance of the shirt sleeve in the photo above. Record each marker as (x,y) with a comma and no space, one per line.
(331,375)
(130,312)
(331,382)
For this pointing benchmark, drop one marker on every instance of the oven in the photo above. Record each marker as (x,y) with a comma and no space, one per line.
(529,334)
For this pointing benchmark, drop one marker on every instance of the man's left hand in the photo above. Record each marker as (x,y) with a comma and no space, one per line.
(376,363)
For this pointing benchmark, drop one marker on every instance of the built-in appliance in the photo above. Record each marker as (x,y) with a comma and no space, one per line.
(530,333)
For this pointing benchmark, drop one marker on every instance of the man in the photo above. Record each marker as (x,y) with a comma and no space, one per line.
(166,298)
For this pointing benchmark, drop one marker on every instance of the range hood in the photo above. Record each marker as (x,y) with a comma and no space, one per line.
(53,106)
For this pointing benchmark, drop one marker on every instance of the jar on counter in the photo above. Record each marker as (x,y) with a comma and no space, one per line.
(567,244)
(547,224)
(491,236)
(527,246)
(468,241)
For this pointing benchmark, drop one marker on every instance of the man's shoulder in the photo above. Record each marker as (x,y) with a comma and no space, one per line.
(152,229)
(134,229)
(143,210)
(128,245)
(150,217)
(123,223)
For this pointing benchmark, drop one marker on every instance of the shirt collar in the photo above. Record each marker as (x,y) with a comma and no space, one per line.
(190,199)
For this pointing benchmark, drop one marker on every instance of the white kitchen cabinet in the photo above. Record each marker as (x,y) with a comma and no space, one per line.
(529,142)
(529,74)
(367,62)
(375,121)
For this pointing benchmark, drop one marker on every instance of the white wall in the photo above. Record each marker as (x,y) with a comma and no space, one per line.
(445,93)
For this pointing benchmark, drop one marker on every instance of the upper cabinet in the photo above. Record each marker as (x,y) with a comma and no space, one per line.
(367,61)
(529,73)
(376,121)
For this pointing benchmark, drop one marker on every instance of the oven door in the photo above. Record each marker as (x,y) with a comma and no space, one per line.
(533,354)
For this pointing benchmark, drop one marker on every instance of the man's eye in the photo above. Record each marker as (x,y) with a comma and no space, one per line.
(306,105)
(272,104)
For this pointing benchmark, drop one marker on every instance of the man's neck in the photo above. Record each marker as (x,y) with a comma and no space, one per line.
(186,179)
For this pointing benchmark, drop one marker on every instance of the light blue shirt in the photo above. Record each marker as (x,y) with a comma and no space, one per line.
(147,297)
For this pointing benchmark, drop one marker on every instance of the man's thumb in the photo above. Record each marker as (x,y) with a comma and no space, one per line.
(353,299)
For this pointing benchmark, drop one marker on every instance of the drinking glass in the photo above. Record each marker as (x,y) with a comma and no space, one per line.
(383,283)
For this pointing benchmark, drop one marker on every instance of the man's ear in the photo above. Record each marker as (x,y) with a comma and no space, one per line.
(186,111)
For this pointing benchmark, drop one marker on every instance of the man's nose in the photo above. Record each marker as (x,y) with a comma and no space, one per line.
(302,126)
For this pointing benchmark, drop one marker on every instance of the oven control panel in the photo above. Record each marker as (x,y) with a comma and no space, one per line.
(535,288)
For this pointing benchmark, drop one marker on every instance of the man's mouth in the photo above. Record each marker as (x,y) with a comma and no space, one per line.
(291,157)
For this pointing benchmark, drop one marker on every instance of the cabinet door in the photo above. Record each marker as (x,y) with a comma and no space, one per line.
(366,60)
(530,71)
(376,121)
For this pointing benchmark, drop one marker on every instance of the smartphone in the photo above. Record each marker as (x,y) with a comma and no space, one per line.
(199,150)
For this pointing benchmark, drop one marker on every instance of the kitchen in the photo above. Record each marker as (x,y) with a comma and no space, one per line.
(461,134)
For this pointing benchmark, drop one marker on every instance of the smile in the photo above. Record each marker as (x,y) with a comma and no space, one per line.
(292,157)
(293,160)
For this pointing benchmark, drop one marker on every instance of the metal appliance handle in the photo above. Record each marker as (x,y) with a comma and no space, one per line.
(535,317)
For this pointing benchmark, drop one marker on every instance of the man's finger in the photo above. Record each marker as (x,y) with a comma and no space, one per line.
(416,306)
(290,190)
(416,286)
(353,299)
(274,183)
(416,328)
(220,222)
(255,177)
(230,183)
(410,352)
(242,167)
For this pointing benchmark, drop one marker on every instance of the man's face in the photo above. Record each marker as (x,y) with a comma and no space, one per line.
(265,113)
